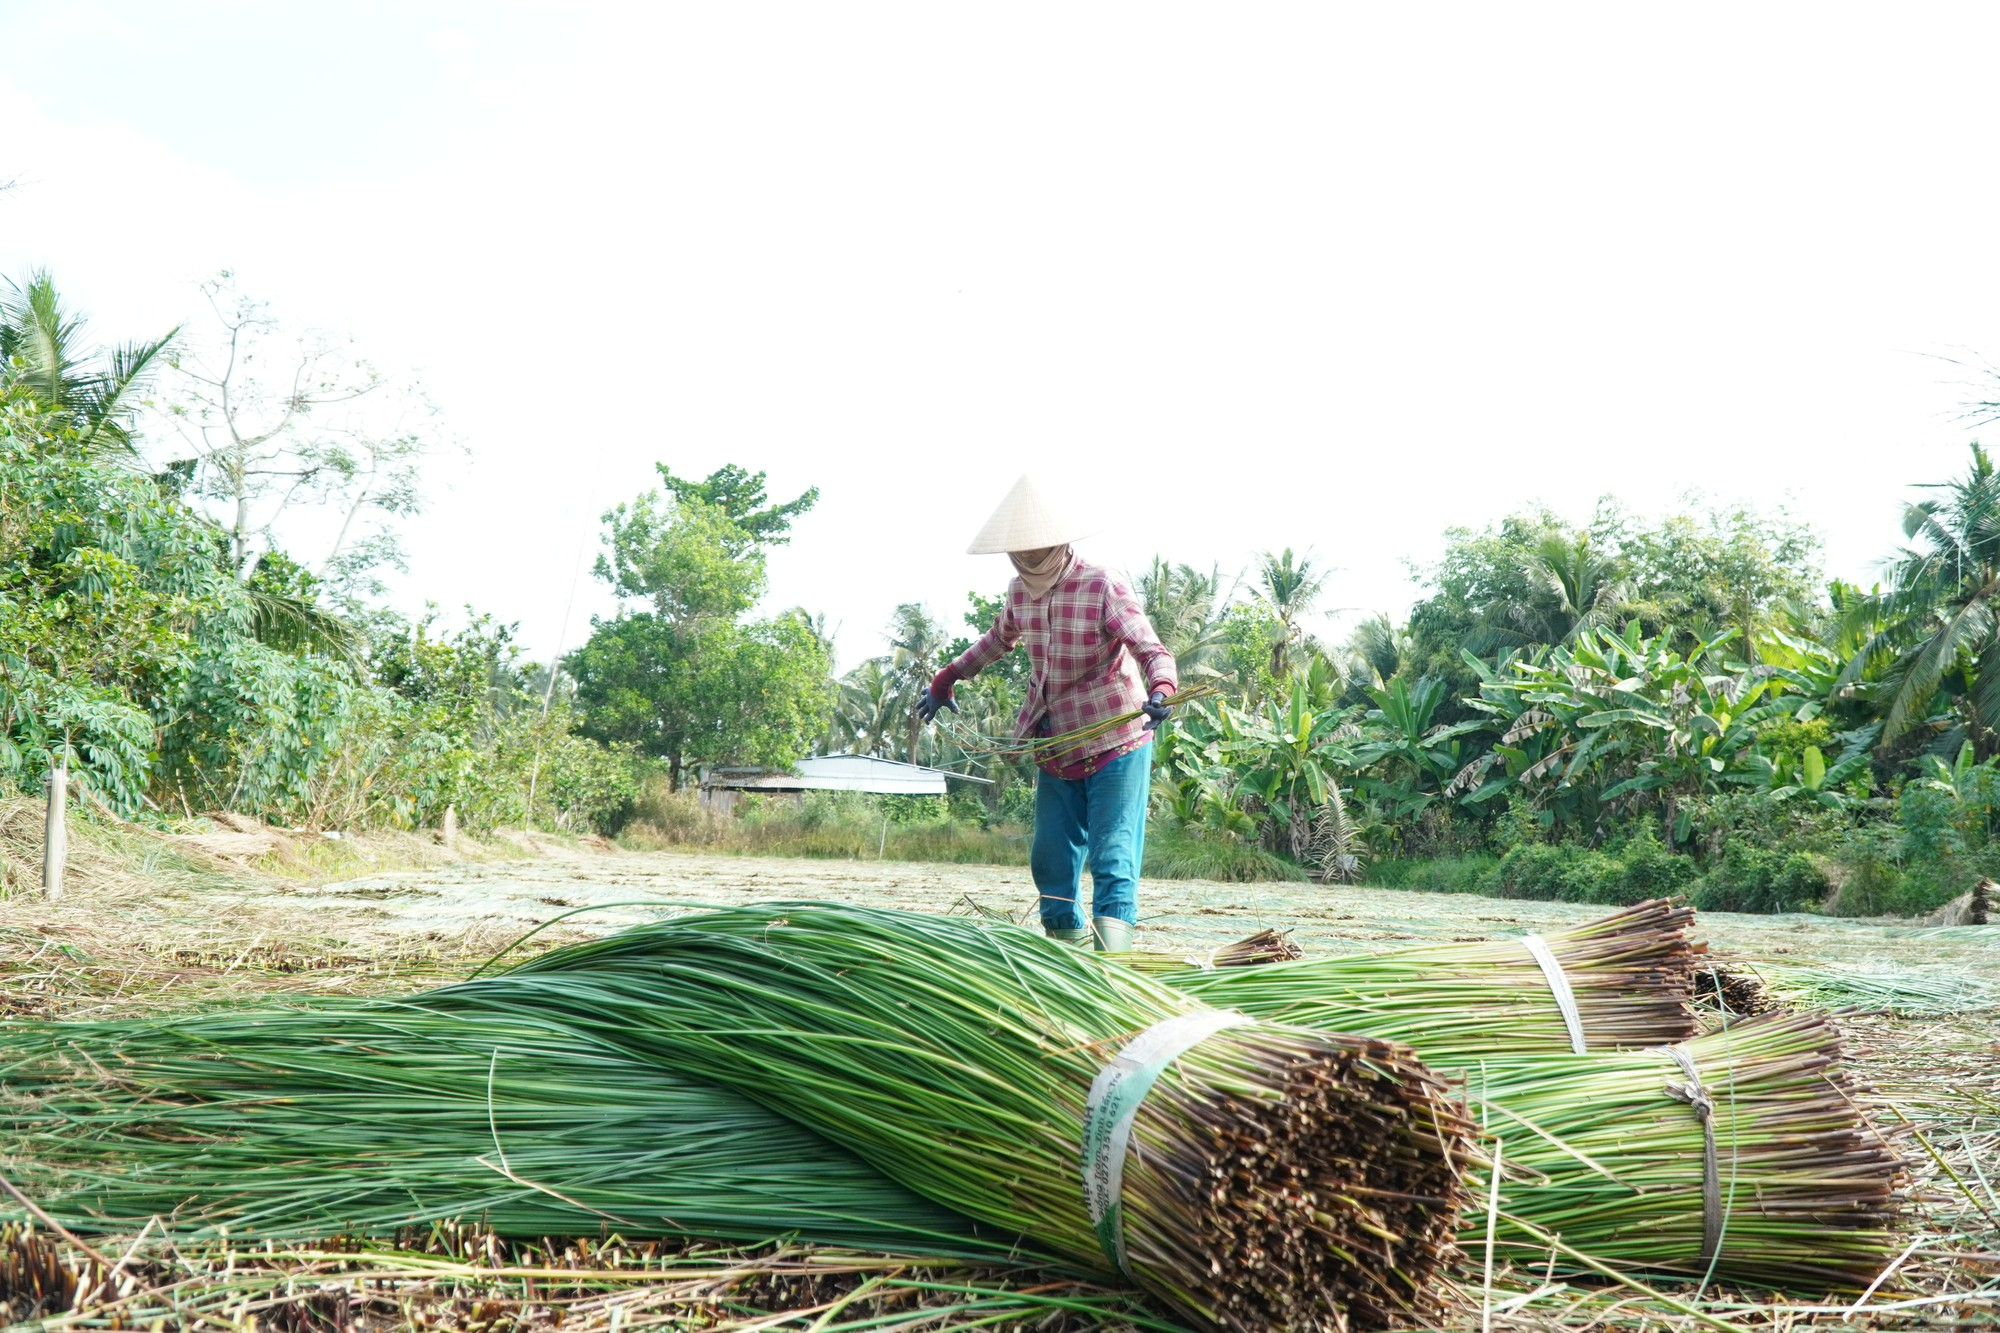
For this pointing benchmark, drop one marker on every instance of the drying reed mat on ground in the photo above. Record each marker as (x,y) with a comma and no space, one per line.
(364,1118)
(1278,1178)
(1923,991)
(1744,1155)
(1623,981)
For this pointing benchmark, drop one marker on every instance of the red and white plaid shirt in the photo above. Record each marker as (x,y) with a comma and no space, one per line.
(1092,656)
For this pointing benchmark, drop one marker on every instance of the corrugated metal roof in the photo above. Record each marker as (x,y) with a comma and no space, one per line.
(840,772)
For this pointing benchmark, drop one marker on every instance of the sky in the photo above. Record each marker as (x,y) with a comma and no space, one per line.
(1238,277)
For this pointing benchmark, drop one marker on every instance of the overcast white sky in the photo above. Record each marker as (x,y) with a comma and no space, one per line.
(1327,276)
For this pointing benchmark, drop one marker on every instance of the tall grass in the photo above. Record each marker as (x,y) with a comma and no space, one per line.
(851,826)
(821,825)
(1468,873)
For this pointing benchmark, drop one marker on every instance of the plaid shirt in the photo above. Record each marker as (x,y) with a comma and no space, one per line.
(1092,654)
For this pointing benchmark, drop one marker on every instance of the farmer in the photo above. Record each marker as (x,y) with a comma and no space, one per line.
(1093,657)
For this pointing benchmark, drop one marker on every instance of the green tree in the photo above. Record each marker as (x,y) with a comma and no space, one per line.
(688,680)
(685,558)
(89,396)
(916,650)
(1377,652)
(741,497)
(868,711)
(1940,617)
(1694,574)
(1187,608)
(1533,579)
(1568,584)
(1291,587)
(103,578)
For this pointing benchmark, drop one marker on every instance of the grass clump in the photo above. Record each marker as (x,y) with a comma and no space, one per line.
(841,826)
(1467,873)
(1180,854)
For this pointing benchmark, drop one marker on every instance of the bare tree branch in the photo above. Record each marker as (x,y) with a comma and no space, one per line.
(299,443)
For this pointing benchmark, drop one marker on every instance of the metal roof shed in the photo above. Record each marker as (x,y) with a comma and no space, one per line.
(828,772)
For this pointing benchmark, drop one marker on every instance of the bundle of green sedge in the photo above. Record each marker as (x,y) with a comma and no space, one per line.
(1275,1179)
(479,1101)
(687,1077)
(1623,981)
(345,1117)
(1745,1155)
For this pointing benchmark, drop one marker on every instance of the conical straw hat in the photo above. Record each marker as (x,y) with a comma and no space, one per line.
(1027,520)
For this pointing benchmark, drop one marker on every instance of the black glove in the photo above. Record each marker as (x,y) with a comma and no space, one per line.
(1156,710)
(928,706)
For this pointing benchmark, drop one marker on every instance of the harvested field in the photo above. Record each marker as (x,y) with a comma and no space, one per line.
(1927,1040)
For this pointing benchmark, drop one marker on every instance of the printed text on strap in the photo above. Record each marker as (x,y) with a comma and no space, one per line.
(1115,1095)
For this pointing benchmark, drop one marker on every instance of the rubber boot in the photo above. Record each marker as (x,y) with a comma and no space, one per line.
(1075,935)
(1113,935)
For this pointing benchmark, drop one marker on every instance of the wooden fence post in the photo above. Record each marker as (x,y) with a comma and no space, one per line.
(55,834)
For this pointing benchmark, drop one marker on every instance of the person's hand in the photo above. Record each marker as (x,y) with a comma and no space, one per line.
(928,706)
(1156,710)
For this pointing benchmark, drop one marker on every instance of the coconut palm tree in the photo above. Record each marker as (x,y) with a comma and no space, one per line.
(1187,608)
(1291,586)
(1571,587)
(1940,614)
(916,651)
(1376,652)
(42,353)
(868,711)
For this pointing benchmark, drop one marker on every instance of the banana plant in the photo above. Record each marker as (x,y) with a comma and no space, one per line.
(1409,761)
(1621,721)
(1288,760)
(1973,785)
(1825,783)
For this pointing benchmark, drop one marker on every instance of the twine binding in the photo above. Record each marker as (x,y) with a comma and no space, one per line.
(1552,972)
(1693,1095)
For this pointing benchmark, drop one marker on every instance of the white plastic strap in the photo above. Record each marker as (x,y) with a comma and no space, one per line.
(1552,972)
(1115,1095)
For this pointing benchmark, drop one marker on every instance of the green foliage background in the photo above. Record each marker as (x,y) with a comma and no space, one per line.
(1594,712)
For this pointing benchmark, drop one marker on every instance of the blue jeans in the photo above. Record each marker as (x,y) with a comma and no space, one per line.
(1100,819)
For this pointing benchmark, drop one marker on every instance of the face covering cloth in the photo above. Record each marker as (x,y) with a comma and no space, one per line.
(1044,573)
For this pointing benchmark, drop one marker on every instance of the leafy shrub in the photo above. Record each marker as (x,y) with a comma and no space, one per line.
(1017,804)
(1567,873)
(915,809)
(1443,874)
(1755,879)
(1928,817)
(1869,885)
(1651,871)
